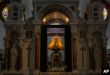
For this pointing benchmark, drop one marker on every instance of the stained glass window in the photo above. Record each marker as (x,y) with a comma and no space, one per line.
(105,13)
(5,13)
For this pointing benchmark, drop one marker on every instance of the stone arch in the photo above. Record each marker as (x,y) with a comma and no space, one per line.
(97,37)
(14,37)
(55,16)
(50,8)
(97,33)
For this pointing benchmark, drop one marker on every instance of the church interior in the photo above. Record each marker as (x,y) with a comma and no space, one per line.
(54,37)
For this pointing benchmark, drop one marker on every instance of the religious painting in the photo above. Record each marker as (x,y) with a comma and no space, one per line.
(55,49)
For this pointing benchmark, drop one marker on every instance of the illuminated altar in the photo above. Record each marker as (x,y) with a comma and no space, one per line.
(56,63)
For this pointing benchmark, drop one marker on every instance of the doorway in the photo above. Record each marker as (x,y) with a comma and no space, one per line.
(55,53)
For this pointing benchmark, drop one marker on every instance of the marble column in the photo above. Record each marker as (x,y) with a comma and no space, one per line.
(74,51)
(24,46)
(37,53)
(7,46)
(86,60)
(83,65)
(98,59)
(85,57)
(14,56)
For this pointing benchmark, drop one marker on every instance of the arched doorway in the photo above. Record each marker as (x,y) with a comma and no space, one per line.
(55,53)
(55,50)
